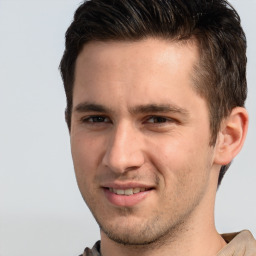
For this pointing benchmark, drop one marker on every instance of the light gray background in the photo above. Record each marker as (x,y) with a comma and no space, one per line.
(41,210)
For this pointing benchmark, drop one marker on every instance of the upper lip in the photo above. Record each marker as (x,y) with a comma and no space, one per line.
(126,185)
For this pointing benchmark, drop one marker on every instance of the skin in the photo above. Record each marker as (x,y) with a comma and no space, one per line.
(137,119)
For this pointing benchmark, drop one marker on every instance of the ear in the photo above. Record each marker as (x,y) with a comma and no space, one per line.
(231,136)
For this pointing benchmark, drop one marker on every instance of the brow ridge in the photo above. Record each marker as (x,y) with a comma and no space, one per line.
(158,108)
(140,109)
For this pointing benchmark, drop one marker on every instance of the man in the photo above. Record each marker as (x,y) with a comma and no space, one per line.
(155,108)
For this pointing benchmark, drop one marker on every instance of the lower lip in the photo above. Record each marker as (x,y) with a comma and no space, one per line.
(125,201)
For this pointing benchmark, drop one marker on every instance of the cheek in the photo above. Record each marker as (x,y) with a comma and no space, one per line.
(84,160)
(86,148)
(181,160)
(170,152)
(85,153)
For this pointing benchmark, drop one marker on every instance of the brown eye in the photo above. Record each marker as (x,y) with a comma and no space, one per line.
(96,119)
(157,119)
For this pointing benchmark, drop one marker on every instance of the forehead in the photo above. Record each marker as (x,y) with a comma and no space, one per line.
(150,51)
(138,70)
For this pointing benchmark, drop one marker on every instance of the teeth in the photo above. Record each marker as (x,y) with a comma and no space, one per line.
(119,191)
(127,192)
(136,190)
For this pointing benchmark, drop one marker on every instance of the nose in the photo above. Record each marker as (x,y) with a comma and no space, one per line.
(124,150)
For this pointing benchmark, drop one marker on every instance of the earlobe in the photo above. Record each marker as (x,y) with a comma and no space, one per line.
(231,136)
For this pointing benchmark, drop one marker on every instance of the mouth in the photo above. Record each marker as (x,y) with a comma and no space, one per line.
(126,196)
(128,191)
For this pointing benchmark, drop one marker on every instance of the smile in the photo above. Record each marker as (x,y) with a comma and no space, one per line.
(126,196)
(127,192)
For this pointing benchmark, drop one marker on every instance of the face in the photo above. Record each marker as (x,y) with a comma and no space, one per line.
(140,137)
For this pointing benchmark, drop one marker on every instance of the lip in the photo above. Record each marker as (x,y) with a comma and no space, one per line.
(126,185)
(124,200)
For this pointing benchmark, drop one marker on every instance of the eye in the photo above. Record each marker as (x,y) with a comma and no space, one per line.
(96,119)
(159,119)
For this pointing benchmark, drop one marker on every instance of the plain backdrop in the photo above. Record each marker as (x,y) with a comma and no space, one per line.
(41,210)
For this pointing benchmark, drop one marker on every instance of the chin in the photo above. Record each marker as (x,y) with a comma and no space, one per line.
(129,237)
(138,233)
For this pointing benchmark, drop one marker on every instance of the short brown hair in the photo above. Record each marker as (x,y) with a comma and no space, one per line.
(220,76)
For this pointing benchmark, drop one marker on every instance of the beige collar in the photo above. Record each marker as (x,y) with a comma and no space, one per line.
(239,244)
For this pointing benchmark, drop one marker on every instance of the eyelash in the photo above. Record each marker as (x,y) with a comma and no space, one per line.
(100,119)
(157,120)
(160,119)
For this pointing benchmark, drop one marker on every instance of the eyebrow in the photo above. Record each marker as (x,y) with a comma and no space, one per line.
(140,109)
(87,107)
(159,108)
